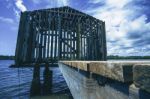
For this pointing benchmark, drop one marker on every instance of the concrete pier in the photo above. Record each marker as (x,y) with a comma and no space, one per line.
(38,88)
(107,79)
(47,75)
(36,84)
(141,76)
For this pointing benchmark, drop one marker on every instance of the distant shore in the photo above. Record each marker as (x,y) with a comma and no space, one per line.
(2,57)
(127,57)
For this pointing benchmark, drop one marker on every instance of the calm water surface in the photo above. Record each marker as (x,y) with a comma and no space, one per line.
(15,83)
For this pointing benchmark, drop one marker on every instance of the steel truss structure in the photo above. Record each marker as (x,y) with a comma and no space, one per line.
(59,34)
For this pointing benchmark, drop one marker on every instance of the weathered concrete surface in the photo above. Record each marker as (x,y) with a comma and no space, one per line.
(141,76)
(137,93)
(77,64)
(116,75)
(117,70)
(82,87)
(133,92)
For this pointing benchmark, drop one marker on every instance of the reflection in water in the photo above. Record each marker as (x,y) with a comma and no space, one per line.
(17,85)
(36,85)
(38,88)
(47,85)
(44,90)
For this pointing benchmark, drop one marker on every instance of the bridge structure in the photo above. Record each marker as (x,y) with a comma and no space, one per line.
(63,33)
(78,42)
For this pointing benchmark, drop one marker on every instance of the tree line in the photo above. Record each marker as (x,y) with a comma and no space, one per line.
(127,57)
(2,57)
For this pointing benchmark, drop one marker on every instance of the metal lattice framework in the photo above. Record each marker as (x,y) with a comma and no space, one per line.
(59,34)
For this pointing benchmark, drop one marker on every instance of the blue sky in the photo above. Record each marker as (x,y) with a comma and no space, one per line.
(127,22)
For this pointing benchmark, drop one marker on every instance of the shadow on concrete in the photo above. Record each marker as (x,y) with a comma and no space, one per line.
(80,82)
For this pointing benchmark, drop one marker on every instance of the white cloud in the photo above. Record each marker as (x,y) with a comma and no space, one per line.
(121,21)
(139,25)
(9,22)
(117,3)
(56,3)
(96,1)
(112,3)
(20,5)
(6,20)
(64,2)
(52,3)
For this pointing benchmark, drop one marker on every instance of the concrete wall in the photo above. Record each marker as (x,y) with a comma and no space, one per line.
(84,86)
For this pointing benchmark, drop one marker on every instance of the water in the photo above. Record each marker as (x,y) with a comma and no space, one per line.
(16,83)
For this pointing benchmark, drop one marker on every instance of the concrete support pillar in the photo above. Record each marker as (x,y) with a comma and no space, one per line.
(36,85)
(47,75)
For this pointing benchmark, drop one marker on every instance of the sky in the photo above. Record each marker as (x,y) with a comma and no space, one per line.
(127,22)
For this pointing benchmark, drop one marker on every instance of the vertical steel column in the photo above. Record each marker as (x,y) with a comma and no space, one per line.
(55,39)
(74,37)
(55,36)
(41,38)
(78,39)
(64,36)
(52,33)
(20,38)
(49,25)
(104,41)
(81,41)
(67,39)
(33,41)
(59,38)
